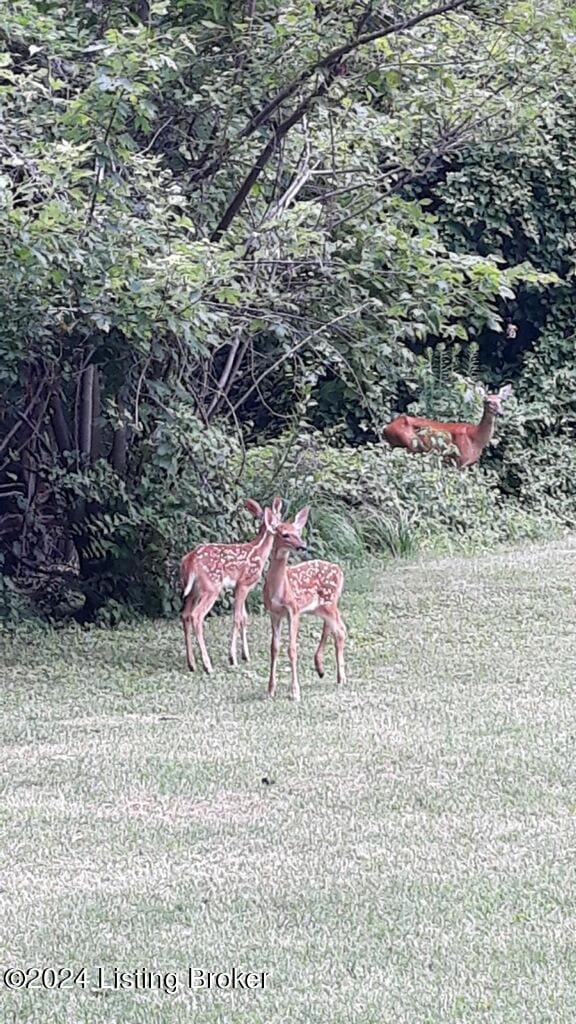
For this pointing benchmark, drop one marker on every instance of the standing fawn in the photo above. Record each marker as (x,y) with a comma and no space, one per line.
(205,572)
(416,434)
(293,590)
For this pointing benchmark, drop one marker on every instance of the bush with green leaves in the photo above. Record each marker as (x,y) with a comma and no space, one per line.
(376,499)
(214,213)
(131,534)
(14,605)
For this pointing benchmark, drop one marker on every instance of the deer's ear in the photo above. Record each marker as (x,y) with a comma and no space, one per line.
(268,522)
(301,518)
(254,507)
(505,392)
(277,505)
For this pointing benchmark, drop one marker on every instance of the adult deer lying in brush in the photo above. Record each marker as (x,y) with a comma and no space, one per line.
(205,572)
(417,434)
(293,590)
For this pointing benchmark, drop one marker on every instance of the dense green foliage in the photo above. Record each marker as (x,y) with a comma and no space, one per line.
(225,223)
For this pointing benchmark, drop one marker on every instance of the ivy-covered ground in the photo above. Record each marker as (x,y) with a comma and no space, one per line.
(398,851)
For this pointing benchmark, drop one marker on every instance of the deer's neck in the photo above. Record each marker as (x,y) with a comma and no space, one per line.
(263,543)
(276,579)
(483,432)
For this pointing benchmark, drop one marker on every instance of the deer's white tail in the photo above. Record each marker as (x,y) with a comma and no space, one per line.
(189,584)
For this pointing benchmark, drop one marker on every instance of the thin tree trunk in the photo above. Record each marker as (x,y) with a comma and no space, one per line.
(224,376)
(86,413)
(119,444)
(59,425)
(234,371)
(96,447)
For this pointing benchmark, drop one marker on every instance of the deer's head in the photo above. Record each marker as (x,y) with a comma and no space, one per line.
(268,524)
(493,403)
(288,536)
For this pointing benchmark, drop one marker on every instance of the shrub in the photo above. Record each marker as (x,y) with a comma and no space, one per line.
(379,499)
(14,606)
(541,477)
(132,534)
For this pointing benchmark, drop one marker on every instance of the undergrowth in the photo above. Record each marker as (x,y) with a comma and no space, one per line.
(377,500)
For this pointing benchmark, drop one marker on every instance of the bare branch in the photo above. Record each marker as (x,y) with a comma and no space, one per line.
(295,348)
(11,433)
(224,376)
(261,162)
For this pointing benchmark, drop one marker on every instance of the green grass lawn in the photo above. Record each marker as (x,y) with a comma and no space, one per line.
(411,857)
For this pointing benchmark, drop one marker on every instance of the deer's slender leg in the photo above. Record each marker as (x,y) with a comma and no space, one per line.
(293,651)
(244,634)
(186,618)
(238,624)
(334,624)
(339,630)
(276,623)
(319,656)
(199,613)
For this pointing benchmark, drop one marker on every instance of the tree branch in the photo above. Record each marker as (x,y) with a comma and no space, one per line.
(24,415)
(99,169)
(265,155)
(295,348)
(224,376)
(328,64)
(335,56)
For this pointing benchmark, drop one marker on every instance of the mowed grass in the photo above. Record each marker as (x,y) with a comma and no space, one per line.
(401,850)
